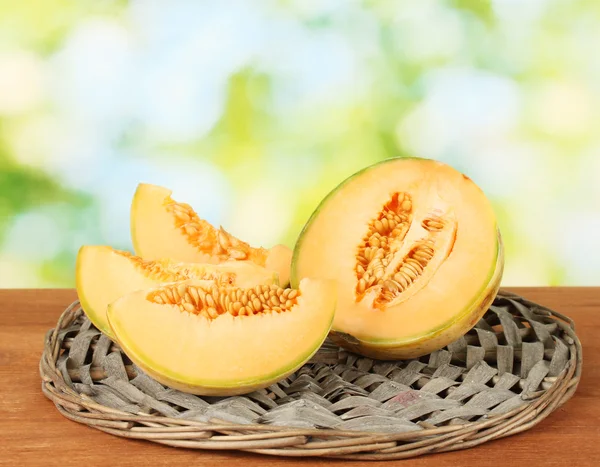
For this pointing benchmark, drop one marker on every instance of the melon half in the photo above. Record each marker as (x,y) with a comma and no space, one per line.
(416,253)
(213,340)
(104,274)
(164,228)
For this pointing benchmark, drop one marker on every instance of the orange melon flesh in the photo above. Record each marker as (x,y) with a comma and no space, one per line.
(104,274)
(158,232)
(229,354)
(456,286)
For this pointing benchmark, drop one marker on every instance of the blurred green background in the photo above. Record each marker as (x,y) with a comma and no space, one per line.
(253,110)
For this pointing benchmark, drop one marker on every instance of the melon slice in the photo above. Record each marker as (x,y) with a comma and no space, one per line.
(214,340)
(104,274)
(414,247)
(164,228)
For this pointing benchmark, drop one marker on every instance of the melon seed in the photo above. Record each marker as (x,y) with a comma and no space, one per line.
(190,229)
(237,254)
(212,312)
(183,216)
(223,240)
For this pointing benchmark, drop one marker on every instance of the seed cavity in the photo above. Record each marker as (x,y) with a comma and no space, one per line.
(378,267)
(166,271)
(375,252)
(206,239)
(213,301)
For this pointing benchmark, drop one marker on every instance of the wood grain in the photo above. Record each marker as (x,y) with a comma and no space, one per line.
(32,432)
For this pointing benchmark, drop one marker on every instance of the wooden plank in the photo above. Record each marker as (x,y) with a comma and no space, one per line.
(34,433)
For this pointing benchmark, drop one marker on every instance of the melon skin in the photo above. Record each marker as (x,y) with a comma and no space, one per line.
(103,274)
(245,353)
(156,233)
(407,346)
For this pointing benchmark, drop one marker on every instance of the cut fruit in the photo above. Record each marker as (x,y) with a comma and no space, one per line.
(104,274)
(164,228)
(414,247)
(213,340)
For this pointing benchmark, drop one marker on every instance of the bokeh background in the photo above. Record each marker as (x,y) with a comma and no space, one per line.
(253,110)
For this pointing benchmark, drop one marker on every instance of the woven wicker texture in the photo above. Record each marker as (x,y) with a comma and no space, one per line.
(519,363)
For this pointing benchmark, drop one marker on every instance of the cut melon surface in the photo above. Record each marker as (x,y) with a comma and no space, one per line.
(104,274)
(164,228)
(416,253)
(202,339)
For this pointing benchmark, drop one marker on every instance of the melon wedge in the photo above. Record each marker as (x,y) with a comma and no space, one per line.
(164,228)
(104,274)
(416,253)
(201,339)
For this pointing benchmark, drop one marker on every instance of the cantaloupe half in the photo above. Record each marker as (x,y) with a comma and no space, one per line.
(104,274)
(164,228)
(416,252)
(212,340)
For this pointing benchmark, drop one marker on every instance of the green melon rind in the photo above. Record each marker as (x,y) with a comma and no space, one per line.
(216,387)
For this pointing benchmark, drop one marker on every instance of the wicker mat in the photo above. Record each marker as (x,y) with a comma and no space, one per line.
(519,363)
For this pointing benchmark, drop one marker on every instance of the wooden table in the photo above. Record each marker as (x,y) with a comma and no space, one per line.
(32,432)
